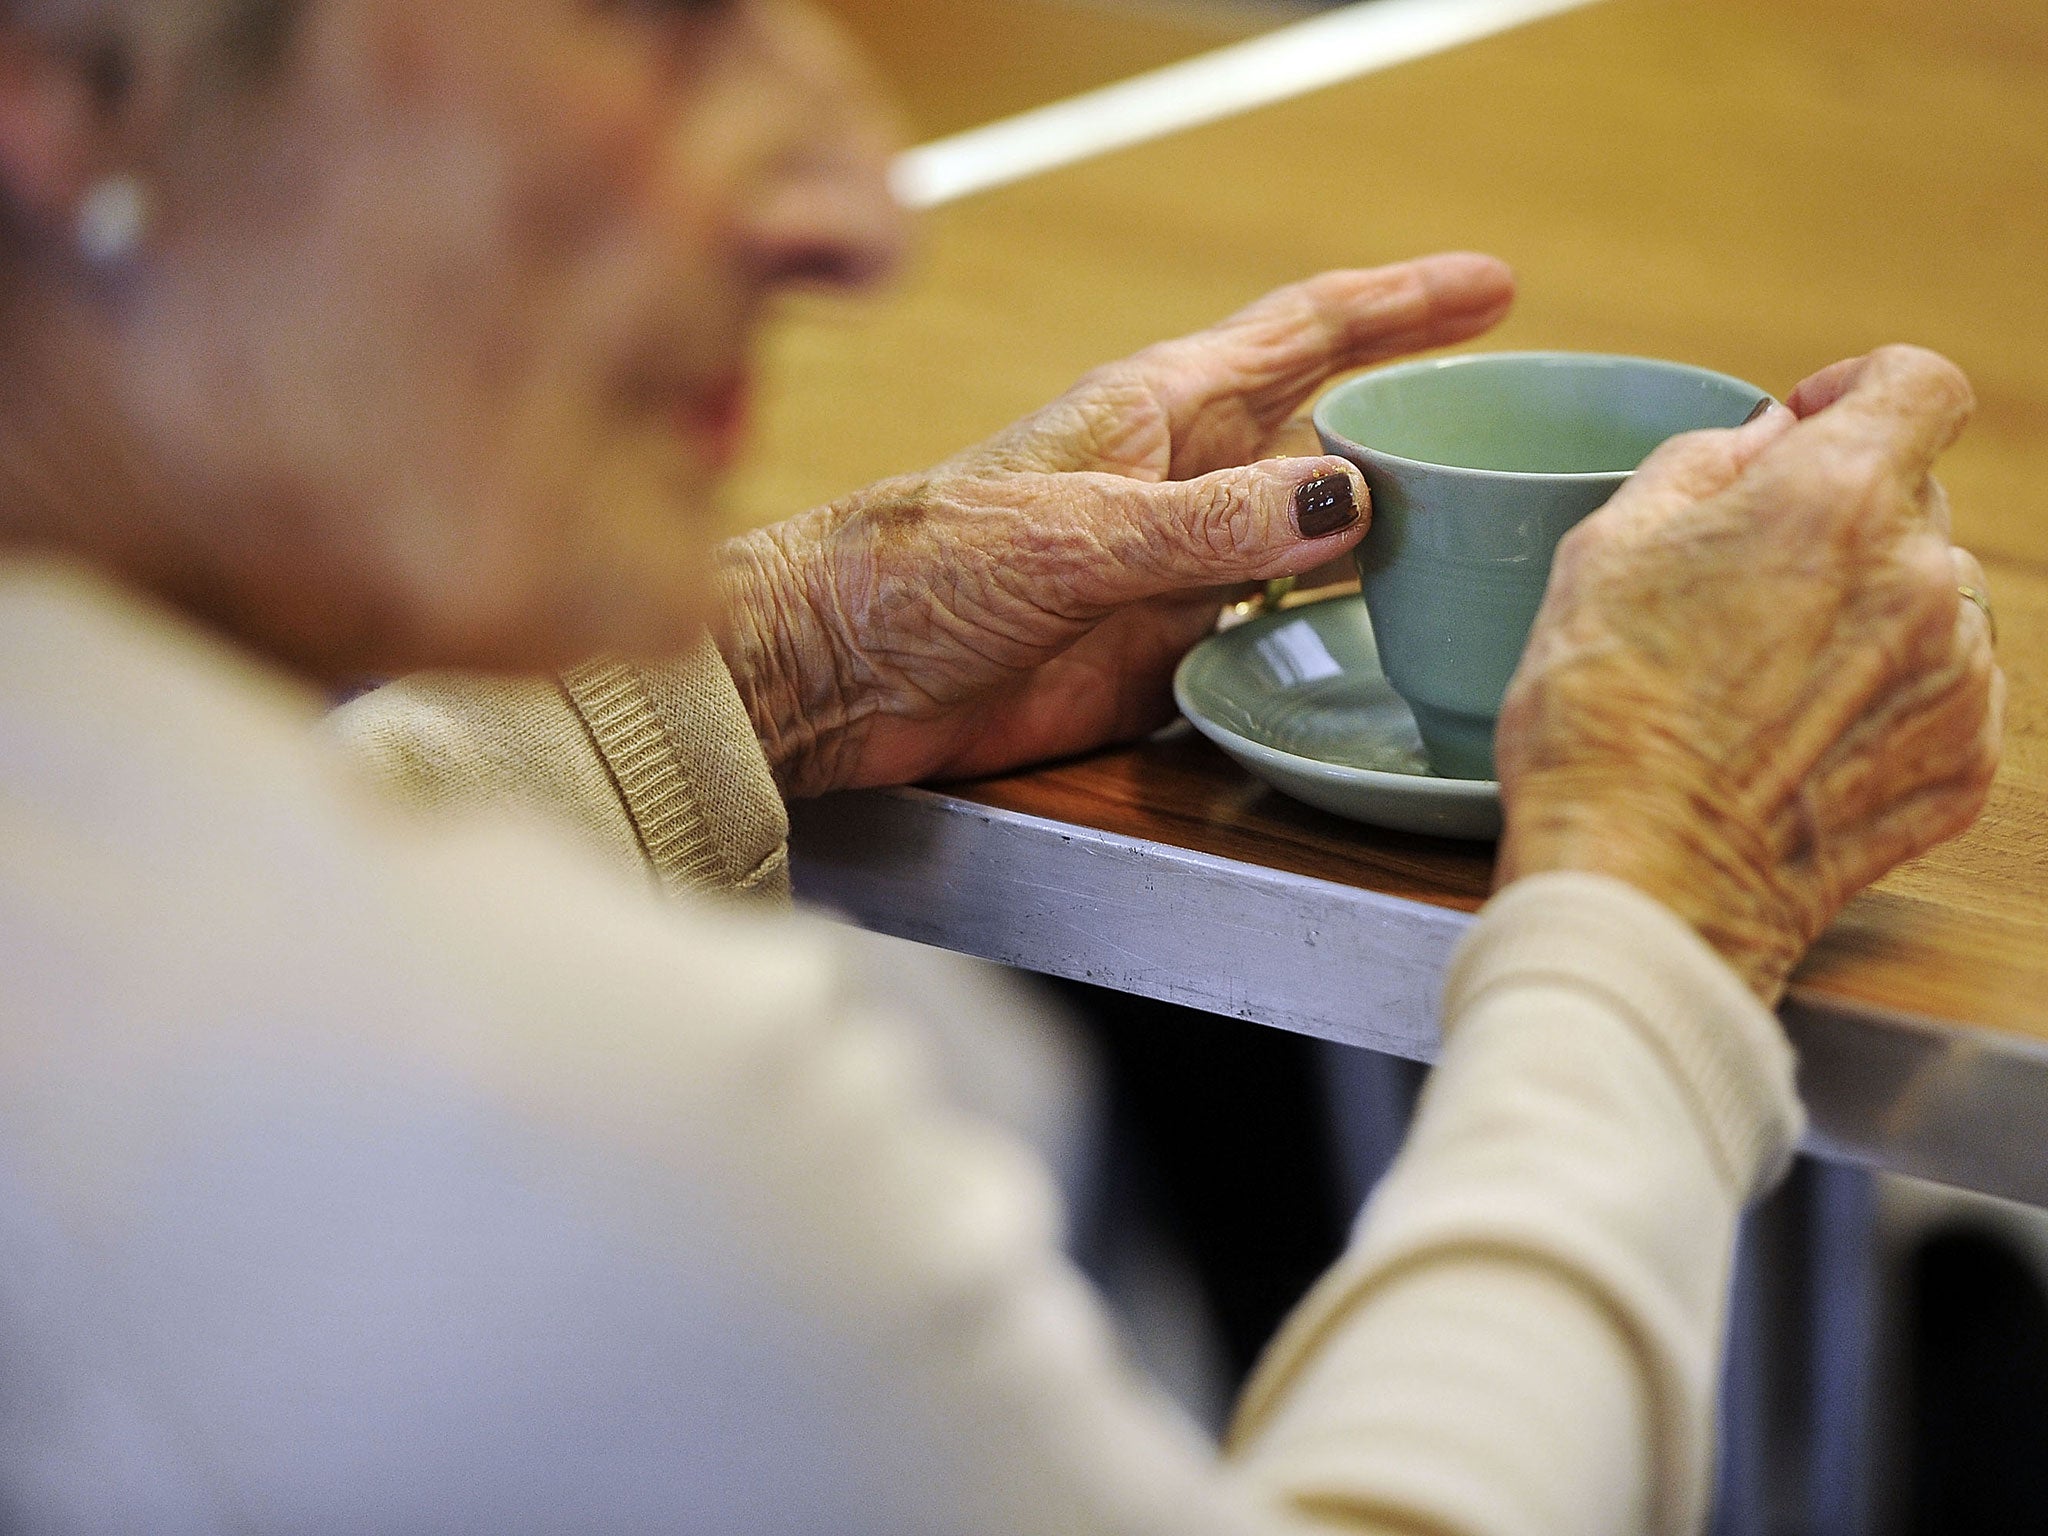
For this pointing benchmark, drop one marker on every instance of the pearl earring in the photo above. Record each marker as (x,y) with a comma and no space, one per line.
(113,217)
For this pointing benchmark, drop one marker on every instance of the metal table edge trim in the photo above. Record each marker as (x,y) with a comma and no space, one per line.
(1955,1103)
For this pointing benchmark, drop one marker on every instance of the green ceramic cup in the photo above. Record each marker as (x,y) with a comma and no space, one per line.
(1478,465)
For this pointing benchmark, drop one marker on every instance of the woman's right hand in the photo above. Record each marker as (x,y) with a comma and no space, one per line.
(1754,686)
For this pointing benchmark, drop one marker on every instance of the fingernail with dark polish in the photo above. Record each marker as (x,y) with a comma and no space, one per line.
(1324,506)
(1758,409)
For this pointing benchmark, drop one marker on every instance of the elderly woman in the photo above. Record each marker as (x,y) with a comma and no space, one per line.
(365,1169)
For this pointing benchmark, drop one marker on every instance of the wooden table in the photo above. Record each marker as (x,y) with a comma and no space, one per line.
(1740,183)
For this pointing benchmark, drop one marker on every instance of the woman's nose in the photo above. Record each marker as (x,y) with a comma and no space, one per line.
(830,221)
(825,215)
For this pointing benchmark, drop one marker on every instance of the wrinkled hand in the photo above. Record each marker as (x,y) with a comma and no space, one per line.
(1754,687)
(1030,598)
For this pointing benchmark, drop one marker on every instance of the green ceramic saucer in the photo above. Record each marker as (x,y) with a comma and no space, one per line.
(1299,700)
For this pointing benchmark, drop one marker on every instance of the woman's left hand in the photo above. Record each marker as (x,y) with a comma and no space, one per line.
(1030,598)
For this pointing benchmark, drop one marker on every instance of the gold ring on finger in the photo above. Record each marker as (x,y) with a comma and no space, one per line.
(1976,595)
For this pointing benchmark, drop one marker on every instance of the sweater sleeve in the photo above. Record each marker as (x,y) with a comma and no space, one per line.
(654,766)
(1525,1333)
(527,1205)
(1520,1341)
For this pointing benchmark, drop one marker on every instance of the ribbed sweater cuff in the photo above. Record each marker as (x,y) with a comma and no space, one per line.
(1602,936)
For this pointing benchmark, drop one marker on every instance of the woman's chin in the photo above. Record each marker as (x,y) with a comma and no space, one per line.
(624,572)
(628,599)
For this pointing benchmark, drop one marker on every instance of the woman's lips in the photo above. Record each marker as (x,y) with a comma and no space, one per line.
(715,419)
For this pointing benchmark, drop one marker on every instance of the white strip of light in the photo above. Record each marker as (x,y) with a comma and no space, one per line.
(1291,61)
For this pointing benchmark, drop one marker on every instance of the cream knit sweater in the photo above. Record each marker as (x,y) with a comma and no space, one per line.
(368,1171)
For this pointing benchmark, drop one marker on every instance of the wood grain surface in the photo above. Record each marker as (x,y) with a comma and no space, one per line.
(1750,185)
